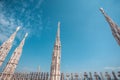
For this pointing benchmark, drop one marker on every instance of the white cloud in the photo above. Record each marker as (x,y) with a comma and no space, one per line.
(4,22)
(2,37)
(112,68)
(7,26)
(28,21)
(39,3)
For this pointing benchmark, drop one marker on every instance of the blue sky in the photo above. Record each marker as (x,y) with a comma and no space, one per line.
(86,39)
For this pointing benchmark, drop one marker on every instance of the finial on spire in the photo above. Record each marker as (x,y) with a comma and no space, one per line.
(26,35)
(18,28)
(102,10)
(58,31)
(59,24)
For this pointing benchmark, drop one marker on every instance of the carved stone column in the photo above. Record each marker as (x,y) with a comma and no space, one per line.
(67,76)
(85,76)
(107,76)
(115,78)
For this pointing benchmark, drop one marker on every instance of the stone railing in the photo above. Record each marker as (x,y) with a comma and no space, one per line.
(66,76)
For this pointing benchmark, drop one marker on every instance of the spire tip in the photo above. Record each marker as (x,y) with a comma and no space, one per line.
(18,28)
(26,35)
(102,10)
(58,23)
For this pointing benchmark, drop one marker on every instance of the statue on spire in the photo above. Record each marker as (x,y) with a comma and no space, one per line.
(114,27)
(6,46)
